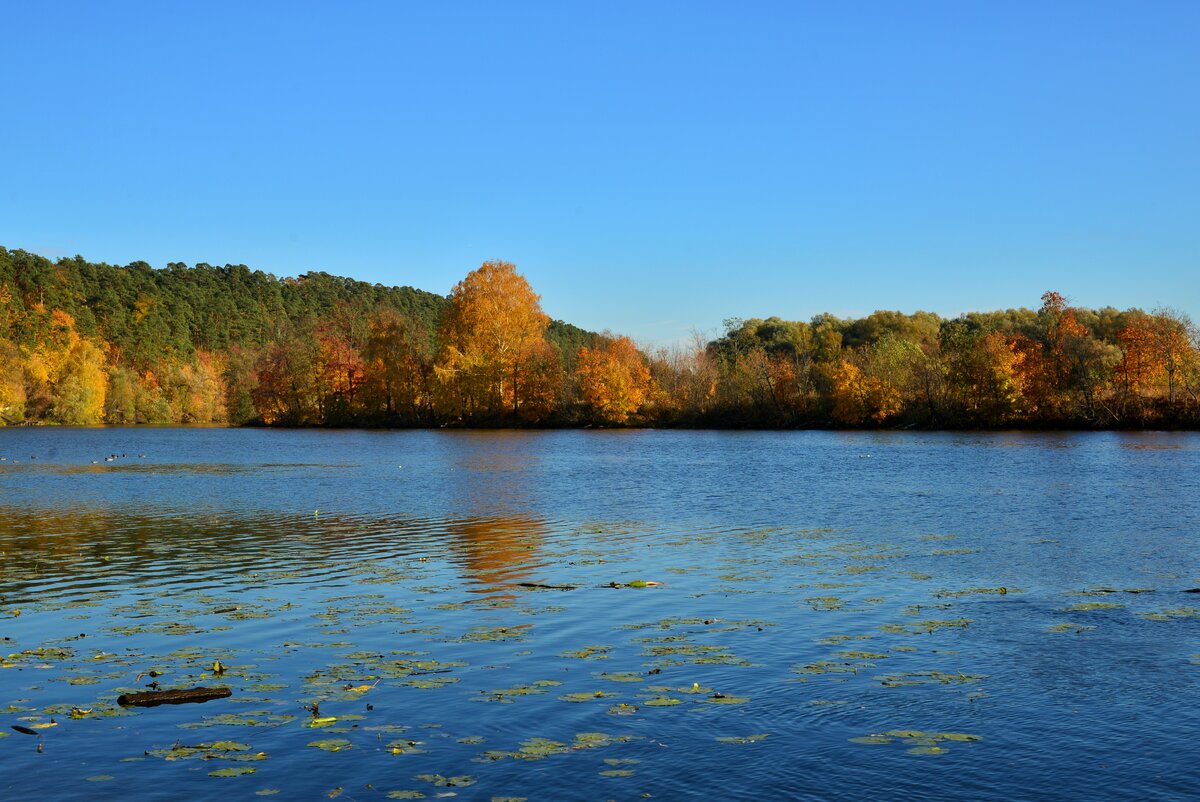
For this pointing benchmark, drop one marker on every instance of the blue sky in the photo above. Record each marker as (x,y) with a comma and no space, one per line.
(652,167)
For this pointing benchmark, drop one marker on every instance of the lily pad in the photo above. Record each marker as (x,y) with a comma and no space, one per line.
(744,739)
(331,744)
(232,771)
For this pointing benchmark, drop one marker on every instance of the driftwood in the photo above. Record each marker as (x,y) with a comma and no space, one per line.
(155,698)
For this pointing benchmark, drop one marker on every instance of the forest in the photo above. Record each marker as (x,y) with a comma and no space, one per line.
(85,343)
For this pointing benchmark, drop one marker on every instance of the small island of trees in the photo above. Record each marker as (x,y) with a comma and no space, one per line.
(86,343)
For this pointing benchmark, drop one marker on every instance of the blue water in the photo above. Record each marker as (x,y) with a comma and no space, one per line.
(813,588)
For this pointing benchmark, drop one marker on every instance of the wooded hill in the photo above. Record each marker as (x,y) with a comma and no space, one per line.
(88,343)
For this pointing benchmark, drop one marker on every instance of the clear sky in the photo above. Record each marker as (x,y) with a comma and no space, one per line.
(652,167)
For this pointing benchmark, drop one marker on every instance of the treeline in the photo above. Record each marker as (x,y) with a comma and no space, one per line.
(86,343)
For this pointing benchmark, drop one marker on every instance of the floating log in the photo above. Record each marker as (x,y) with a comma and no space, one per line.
(177,697)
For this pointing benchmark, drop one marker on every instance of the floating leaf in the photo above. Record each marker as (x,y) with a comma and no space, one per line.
(956,736)
(725,699)
(331,744)
(323,721)
(744,739)
(232,771)
(461,781)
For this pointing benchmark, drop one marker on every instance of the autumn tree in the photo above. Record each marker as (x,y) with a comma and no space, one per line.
(492,336)
(1173,336)
(990,378)
(614,379)
(858,397)
(1077,364)
(12,384)
(396,368)
(82,386)
(287,387)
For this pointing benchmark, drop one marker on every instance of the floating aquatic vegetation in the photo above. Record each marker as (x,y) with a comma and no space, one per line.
(958,594)
(461,781)
(405,747)
(481,634)
(585,697)
(930,678)
(926,627)
(1087,606)
(744,739)
(255,719)
(725,699)
(1108,591)
(918,741)
(1066,626)
(232,771)
(588,653)
(428,683)
(331,744)
(1172,613)
(506,694)
(826,667)
(217,750)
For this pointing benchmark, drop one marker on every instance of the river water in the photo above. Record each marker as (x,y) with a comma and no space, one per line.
(584,615)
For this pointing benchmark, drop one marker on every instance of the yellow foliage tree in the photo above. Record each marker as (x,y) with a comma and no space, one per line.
(82,386)
(857,397)
(614,379)
(12,384)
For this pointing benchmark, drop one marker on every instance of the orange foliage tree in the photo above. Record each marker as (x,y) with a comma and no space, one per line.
(493,335)
(614,379)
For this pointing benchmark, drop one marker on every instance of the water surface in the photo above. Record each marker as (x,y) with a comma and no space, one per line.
(836,615)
